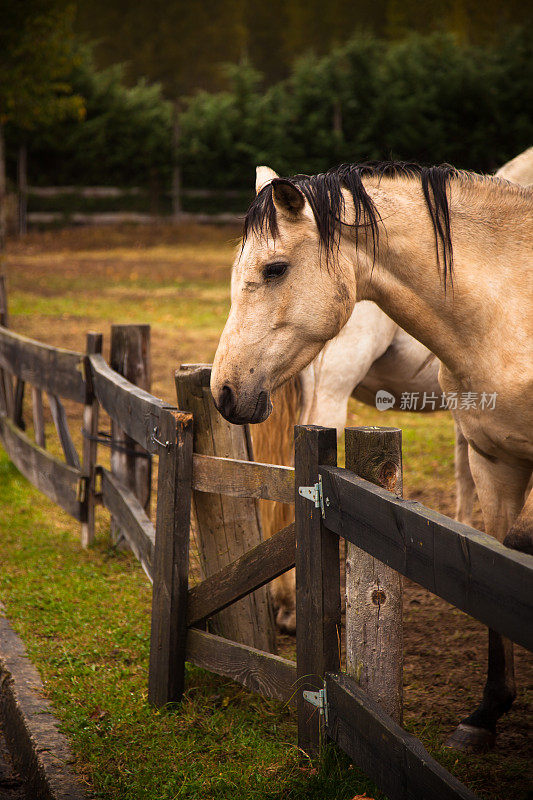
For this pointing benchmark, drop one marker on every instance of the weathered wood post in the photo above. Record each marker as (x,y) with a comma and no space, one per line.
(38,416)
(226,527)
(7,397)
(18,412)
(90,432)
(374,636)
(318,607)
(171,560)
(130,356)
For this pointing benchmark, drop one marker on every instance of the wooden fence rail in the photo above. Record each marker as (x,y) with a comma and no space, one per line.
(393,758)
(138,529)
(53,477)
(51,369)
(465,567)
(137,412)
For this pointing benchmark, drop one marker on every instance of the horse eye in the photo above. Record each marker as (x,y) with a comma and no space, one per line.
(274,270)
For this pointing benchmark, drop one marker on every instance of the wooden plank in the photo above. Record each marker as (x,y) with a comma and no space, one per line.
(465,567)
(52,369)
(171,561)
(136,526)
(51,476)
(7,398)
(395,760)
(18,410)
(255,568)
(60,421)
(226,527)
(129,355)
(374,631)
(262,673)
(235,478)
(7,394)
(90,445)
(318,607)
(38,416)
(136,412)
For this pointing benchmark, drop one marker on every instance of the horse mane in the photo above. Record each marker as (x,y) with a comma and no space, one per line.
(324,195)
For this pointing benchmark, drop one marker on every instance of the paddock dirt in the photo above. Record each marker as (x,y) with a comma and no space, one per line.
(63,283)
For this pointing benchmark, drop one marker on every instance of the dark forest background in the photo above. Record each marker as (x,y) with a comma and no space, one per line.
(164,94)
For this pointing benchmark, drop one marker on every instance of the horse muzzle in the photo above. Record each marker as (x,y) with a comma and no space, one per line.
(242,410)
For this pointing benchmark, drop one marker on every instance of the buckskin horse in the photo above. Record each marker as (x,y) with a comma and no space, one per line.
(371,353)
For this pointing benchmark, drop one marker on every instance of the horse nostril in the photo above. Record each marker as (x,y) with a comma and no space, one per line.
(227,401)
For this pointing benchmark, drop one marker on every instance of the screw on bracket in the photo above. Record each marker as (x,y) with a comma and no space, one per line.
(316,495)
(318,699)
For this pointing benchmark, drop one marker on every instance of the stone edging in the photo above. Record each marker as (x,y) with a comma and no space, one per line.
(39,751)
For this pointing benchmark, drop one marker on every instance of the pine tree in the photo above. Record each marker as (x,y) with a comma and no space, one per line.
(37,52)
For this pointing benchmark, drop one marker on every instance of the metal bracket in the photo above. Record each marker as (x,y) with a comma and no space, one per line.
(318,699)
(316,495)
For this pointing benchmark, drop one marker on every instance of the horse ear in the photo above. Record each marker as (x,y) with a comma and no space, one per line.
(287,197)
(263,175)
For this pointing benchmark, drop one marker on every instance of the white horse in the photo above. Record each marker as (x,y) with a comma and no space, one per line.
(314,245)
(371,353)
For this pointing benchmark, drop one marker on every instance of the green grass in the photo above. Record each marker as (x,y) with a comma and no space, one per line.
(167,307)
(85,616)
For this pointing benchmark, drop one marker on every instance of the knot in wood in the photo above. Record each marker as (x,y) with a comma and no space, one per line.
(379,597)
(388,475)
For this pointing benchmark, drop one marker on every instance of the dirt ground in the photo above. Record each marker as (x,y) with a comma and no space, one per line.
(445,651)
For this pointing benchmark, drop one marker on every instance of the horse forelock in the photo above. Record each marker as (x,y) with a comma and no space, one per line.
(324,193)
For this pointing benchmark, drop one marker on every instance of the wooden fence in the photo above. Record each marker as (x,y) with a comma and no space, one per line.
(213,465)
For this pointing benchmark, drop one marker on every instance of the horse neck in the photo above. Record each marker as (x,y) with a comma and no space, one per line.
(407,283)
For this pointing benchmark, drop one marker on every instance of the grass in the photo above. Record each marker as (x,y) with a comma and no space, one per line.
(85,615)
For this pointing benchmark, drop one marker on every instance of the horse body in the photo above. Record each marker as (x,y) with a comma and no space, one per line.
(370,353)
(314,245)
(519,169)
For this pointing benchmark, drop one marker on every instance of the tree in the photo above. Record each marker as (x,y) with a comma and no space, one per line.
(123,140)
(37,52)
(177,43)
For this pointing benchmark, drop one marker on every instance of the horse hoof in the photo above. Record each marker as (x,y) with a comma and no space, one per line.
(468,739)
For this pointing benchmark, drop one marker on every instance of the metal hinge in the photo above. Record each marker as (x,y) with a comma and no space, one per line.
(320,700)
(316,495)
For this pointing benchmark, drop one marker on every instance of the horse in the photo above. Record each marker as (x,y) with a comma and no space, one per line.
(371,353)
(315,245)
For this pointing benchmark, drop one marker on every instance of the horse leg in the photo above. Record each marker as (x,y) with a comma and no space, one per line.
(464,483)
(520,537)
(501,492)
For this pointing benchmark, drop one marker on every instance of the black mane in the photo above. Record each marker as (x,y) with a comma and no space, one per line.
(324,194)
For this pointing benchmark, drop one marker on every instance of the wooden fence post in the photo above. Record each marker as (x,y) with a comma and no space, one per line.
(226,527)
(18,411)
(318,608)
(171,560)
(90,428)
(7,397)
(374,635)
(130,356)
(38,416)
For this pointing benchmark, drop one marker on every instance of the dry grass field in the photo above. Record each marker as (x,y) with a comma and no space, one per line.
(63,284)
